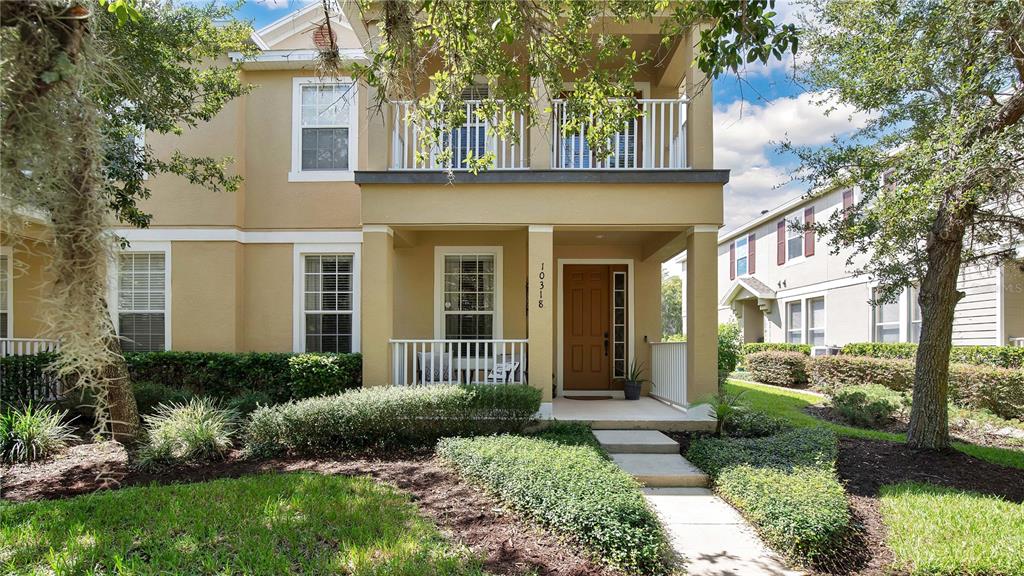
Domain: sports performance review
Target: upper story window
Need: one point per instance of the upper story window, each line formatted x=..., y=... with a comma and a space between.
x=5, y=296
x=742, y=256
x=142, y=301
x=795, y=242
x=885, y=321
x=470, y=140
x=323, y=130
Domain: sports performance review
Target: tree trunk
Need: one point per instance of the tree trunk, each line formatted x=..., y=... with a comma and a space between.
x=124, y=412
x=929, y=417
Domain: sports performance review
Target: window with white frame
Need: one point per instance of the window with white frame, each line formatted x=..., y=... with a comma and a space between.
x=795, y=322
x=885, y=320
x=469, y=296
x=742, y=256
x=816, y=321
x=142, y=301
x=5, y=296
x=794, y=237
x=470, y=139
x=328, y=301
x=324, y=133
x=915, y=315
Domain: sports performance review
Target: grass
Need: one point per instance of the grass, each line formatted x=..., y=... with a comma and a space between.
x=789, y=405
x=264, y=524
x=934, y=530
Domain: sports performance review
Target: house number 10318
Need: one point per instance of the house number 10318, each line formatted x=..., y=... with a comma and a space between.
x=540, y=293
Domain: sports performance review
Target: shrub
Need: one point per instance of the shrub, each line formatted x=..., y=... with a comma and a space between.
x=149, y=395
x=728, y=347
x=998, y=356
x=747, y=423
x=319, y=375
x=27, y=379
x=830, y=373
x=225, y=375
x=815, y=447
x=190, y=433
x=785, y=485
x=868, y=405
x=779, y=368
x=389, y=416
x=33, y=433
x=571, y=488
x=802, y=513
x=248, y=401
x=755, y=347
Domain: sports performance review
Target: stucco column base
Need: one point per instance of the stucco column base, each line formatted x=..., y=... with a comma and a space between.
x=540, y=326
x=701, y=315
x=378, y=303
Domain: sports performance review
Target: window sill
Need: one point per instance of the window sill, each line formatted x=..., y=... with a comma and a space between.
x=321, y=176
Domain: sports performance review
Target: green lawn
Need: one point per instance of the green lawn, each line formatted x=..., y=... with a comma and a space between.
x=265, y=524
x=927, y=528
x=789, y=405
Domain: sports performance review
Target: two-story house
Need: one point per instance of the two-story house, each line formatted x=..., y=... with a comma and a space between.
x=543, y=269
x=785, y=285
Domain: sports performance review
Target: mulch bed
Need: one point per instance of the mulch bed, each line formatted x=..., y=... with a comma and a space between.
x=464, y=513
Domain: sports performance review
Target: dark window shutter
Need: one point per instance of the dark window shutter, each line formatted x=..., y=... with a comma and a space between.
x=781, y=253
x=847, y=199
x=751, y=254
x=732, y=261
x=809, y=234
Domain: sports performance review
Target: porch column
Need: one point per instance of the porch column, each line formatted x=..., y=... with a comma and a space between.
x=540, y=326
x=540, y=146
x=701, y=314
x=378, y=303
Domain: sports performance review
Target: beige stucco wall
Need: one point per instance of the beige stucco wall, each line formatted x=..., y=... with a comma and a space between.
x=268, y=282
x=206, y=296
x=1013, y=302
x=29, y=286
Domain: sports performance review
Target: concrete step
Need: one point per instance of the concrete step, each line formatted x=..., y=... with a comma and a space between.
x=661, y=470
x=636, y=442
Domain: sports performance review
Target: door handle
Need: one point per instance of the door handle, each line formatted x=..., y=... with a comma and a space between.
x=605, y=343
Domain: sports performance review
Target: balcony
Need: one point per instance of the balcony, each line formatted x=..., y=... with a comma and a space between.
x=655, y=140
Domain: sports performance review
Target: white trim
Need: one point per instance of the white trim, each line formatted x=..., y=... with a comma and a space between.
x=113, y=299
x=8, y=251
x=499, y=274
x=378, y=228
x=819, y=286
x=630, y=312
x=298, y=289
x=705, y=228
x=541, y=228
x=297, y=174
x=808, y=313
x=240, y=236
x=1001, y=338
x=786, y=329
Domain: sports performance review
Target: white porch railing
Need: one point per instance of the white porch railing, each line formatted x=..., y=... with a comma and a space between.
x=26, y=346
x=416, y=362
x=656, y=140
x=474, y=139
x=668, y=371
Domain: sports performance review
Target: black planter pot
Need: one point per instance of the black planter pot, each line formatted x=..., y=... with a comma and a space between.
x=631, y=390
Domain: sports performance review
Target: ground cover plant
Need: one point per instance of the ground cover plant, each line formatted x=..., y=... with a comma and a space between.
x=263, y=524
x=33, y=433
x=938, y=530
x=194, y=432
x=868, y=405
x=565, y=481
x=388, y=416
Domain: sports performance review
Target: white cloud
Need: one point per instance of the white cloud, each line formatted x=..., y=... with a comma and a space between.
x=275, y=4
x=746, y=133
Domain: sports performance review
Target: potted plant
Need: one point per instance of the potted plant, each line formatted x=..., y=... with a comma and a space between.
x=634, y=379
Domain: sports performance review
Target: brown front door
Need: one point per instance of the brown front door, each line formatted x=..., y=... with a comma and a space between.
x=586, y=321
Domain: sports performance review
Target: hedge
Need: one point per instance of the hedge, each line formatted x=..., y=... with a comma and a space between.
x=786, y=486
x=999, y=356
x=778, y=368
x=754, y=347
x=388, y=416
x=868, y=405
x=998, y=390
x=27, y=379
x=570, y=487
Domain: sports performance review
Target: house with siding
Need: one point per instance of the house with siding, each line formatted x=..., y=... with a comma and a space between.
x=782, y=284
x=544, y=269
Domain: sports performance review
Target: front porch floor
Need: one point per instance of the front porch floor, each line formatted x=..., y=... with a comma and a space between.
x=647, y=413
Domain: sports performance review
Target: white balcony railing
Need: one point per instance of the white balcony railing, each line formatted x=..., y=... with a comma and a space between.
x=655, y=140
x=474, y=139
x=417, y=362
x=26, y=346
x=668, y=371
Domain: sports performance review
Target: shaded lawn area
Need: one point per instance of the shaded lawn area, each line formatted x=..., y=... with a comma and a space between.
x=927, y=525
x=262, y=524
x=790, y=404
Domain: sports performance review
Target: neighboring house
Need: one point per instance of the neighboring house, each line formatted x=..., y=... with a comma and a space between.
x=784, y=285
x=545, y=268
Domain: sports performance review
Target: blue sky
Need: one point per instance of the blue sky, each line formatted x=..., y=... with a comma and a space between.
x=751, y=116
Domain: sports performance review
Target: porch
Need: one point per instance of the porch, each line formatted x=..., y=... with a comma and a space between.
x=647, y=413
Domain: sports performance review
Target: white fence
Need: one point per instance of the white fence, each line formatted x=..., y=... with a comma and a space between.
x=26, y=346
x=474, y=139
x=416, y=362
x=668, y=371
x=655, y=140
